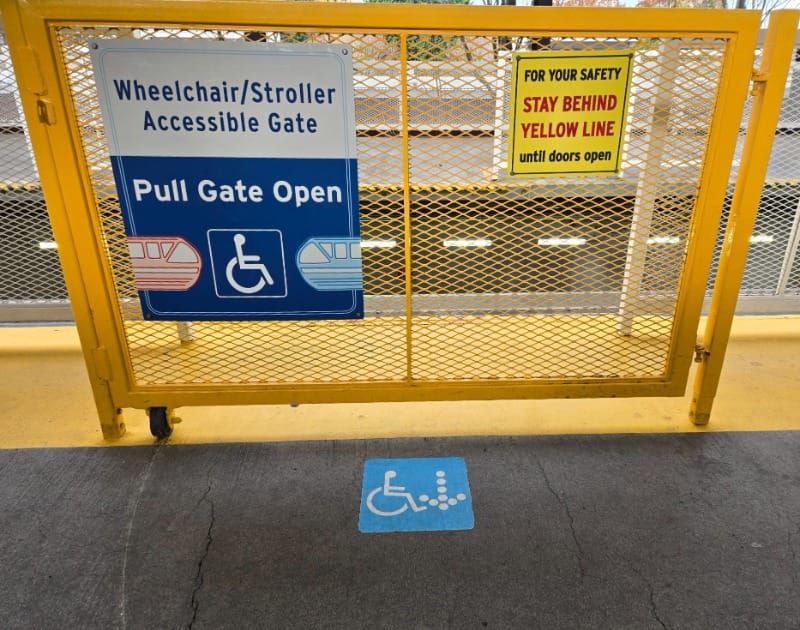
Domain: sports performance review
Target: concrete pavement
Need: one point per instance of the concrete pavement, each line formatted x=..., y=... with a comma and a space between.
x=618, y=531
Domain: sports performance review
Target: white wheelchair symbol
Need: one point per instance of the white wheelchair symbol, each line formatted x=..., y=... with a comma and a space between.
x=392, y=491
x=246, y=262
x=441, y=500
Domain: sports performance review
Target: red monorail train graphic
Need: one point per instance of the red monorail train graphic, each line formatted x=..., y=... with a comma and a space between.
x=164, y=263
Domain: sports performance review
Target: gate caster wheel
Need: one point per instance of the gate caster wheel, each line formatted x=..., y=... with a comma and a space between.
x=160, y=422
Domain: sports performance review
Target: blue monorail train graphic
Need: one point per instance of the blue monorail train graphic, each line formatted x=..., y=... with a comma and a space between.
x=332, y=263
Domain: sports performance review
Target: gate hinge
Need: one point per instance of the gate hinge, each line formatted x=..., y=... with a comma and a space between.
x=700, y=353
x=102, y=365
x=758, y=78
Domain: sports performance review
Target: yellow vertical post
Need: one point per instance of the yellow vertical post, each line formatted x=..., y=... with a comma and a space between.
x=56, y=159
x=406, y=198
x=768, y=86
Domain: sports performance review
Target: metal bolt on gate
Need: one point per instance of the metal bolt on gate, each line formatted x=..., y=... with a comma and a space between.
x=292, y=203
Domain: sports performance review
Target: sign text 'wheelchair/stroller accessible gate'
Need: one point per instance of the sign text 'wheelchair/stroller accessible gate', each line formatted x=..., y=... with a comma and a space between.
x=235, y=166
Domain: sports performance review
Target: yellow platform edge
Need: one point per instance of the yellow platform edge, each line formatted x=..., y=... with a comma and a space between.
x=46, y=402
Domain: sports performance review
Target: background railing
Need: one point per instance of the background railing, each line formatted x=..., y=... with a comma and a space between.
x=32, y=287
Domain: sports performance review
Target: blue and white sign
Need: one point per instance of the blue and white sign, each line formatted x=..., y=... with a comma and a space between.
x=235, y=165
x=415, y=495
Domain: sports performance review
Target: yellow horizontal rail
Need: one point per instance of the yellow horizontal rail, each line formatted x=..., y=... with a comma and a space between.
x=397, y=17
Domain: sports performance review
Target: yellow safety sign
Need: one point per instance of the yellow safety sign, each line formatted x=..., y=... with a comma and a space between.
x=568, y=112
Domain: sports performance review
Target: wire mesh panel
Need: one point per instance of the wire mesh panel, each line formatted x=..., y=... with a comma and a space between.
x=547, y=260
x=468, y=274
x=30, y=273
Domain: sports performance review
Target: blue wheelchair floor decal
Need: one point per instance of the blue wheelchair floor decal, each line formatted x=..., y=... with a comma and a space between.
x=415, y=495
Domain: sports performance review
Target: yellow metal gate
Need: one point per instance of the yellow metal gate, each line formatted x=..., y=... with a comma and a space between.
x=476, y=285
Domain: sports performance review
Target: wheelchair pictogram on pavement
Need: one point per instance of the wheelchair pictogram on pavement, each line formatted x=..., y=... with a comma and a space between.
x=418, y=494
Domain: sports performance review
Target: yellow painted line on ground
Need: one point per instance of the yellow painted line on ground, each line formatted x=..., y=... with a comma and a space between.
x=46, y=401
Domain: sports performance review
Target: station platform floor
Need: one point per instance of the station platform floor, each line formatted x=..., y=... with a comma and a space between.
x=587, y=513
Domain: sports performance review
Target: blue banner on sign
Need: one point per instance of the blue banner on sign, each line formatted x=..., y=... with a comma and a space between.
x=243, y=238
x=417, y=494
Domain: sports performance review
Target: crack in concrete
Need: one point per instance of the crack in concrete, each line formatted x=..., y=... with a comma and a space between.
x=793, y=552
x=653, y=607
x=133, y=508
x=199, y=577
x=651, y=595
x=570, y=519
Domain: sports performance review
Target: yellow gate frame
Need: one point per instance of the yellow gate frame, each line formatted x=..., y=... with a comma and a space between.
x=31, y=30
